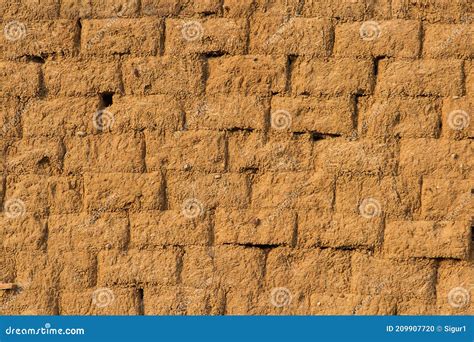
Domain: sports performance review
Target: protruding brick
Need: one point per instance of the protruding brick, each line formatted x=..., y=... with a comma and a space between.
x=449, y=41
x=19, y=79
x=290, y=36
x=215, y=35
x=332, y=77
x=394, y=38
x=427, y=239
x=246, y=75
x=252, y=226
x=420, y=77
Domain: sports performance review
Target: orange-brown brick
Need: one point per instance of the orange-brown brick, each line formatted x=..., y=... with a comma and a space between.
x=449, y=41
x=19, y=79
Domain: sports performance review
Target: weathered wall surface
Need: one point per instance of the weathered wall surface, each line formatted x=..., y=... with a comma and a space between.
x=236, y=156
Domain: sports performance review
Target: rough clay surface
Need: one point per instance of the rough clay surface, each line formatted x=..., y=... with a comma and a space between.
x=236, y=157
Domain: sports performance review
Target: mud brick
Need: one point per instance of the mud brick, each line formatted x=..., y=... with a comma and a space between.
x=349, y=304
x=81, y=78
x=454, y=287
x=420, y=77
x=7, y=263
x=30, y=302
x=469, y=73
x=169, y=227
x=427, y=239
x=75, y=9
x=337, y=230
x=174, y=300
x=121, y=36
x=407, y=118
x=293, y=190
x=253, y=151
x=104, y=153
x=329, y=269
x=25, y=232
x=238, y=8
x=186, y=150
x=446, y=199
x=332, y=77
x=35, y=156
x=290, y=36
x=373, y=196
x=346, y=10
x=38, y=38
x=439, y=11
x=34, y=271
x=19, y=79
x=27, y=10
x=458, y=118
x=59, y=117
x=207, y=191
x=329, y=116
x=417, y=307
x=444, y=160
x=161, y=8
x=198, y=267
x=253, y=226
x=65, y=194
x=215, y=35
x=246, y=75
x=449, y=41
x=364, y=156
x=394, y=38
x=115, y=8
x=27, y=193
x=88, y=232
x=10, y=117
x=107, y=192
x=219, y=111
x=77, y=270
x=407, y=279
x=279, y=7
x=162, y=75
x=157, y=267
x=100, y=301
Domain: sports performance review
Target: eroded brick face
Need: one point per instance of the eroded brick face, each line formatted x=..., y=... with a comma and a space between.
x=236, y=157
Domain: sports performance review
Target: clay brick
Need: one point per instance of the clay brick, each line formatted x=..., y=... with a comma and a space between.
x=75, y=9
x=364, y=156
x=446, y=199
x=457, y=118
x=26, y=232
x=121, y=36
x=215, y=35
x=19, y=79
x=104, y=153
x=65, y=194
x=170, y=227
x=332, y=77
x=10, y=117
x=227, y=112
x=279, y=7
x=290, y=36
x=88, y=232
x=35, y=156
x=198, y=267
x=27, y=10
x=432, y=11
x=7, y=266
x=449, y=41
x=238, y=8
x=162, y=75
x=77, y=270
x=204, y=7
x=469, y=73
x=79, y=78
x=344, y=10
x=157, y=267
x=334, y=116
x=445, y=160
x=394, y=38
x=253, y=226
x=454, y=288
x=421, y=77
x=254, y=151
x=349, y=304
x=338, y=230
x=115, y=8
x=329, y=270
x=119, y=191
x=186, y=150
x=428, y=239
x=408, y=279
x=34, y=271
x=246, y=75
x=293, y=189
x=229, y=190
x=38, y=39
x=59, y=117
x=30, y=302
x=161, y=8
x=100, y=301
x=407, y=118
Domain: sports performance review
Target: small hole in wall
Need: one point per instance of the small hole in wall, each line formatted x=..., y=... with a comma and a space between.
x=106, y=99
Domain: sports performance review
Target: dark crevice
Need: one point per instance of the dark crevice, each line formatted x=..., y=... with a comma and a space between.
x=315, y=136
x=35, y=58
x=254, y=245
x=239, y=129
x=214, y=54
x=289, y=70
x=376, y=65
x=249, y=169
x=106, y=99
x=141, y=302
